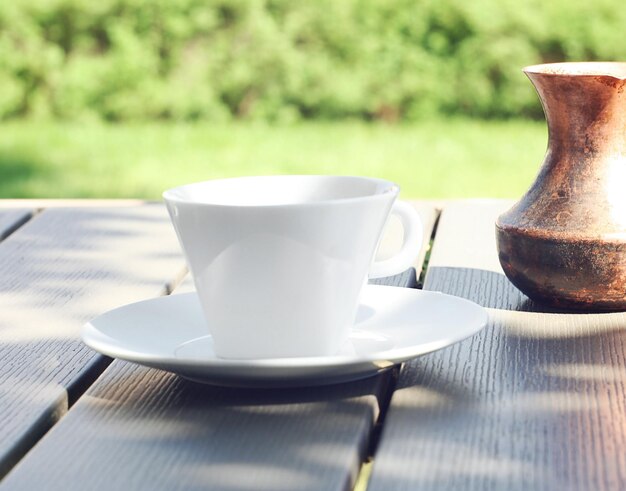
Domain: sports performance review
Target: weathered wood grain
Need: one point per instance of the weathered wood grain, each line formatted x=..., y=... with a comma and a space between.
x=535, y=401
x=56, y=272
x=143, y=429
x=12, y=219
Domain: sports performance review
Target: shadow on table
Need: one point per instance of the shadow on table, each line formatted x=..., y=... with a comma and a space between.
x=191, y=435
x=190, y=394
x=489, y=289
x=522, y=331
x=520, y=405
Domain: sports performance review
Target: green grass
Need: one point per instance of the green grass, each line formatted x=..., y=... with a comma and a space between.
x=436, y=159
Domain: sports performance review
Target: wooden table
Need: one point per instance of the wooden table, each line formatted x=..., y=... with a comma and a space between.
x=535, y=401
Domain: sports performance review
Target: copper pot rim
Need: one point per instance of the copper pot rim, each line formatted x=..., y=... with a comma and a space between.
x=610, y=69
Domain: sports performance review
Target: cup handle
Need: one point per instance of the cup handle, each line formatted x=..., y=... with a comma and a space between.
x=413, y=235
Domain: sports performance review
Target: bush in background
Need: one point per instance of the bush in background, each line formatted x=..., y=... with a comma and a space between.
x=283, y=60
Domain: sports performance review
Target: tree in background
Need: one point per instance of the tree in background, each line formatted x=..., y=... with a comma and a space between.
x=284, y=60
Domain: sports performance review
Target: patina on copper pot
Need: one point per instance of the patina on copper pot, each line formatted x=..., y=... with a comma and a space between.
x=564, y=242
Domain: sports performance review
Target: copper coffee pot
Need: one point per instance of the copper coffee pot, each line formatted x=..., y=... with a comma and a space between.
x=564, y=242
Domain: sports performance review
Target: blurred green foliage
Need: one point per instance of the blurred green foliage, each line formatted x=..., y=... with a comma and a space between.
x=284, y=60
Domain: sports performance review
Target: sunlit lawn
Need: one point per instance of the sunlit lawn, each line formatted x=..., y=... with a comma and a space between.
x=437, y=159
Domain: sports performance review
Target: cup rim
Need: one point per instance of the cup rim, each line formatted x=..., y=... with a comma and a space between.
x=171, y=196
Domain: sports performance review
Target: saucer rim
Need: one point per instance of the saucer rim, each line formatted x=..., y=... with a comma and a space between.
x=376, y=361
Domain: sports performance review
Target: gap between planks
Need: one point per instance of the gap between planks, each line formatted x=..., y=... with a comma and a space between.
x=75, y=389
x=102, y=362
x=365, y=471
x=19, y=223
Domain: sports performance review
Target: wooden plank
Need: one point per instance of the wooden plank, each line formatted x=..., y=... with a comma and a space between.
x=535, y=401
x=143, y=429
x=56, y=272
x=11, y=219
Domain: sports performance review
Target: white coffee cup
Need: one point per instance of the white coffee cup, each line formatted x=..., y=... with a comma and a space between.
x=279, y=261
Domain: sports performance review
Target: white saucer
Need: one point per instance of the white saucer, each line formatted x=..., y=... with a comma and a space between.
x=393, y=325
